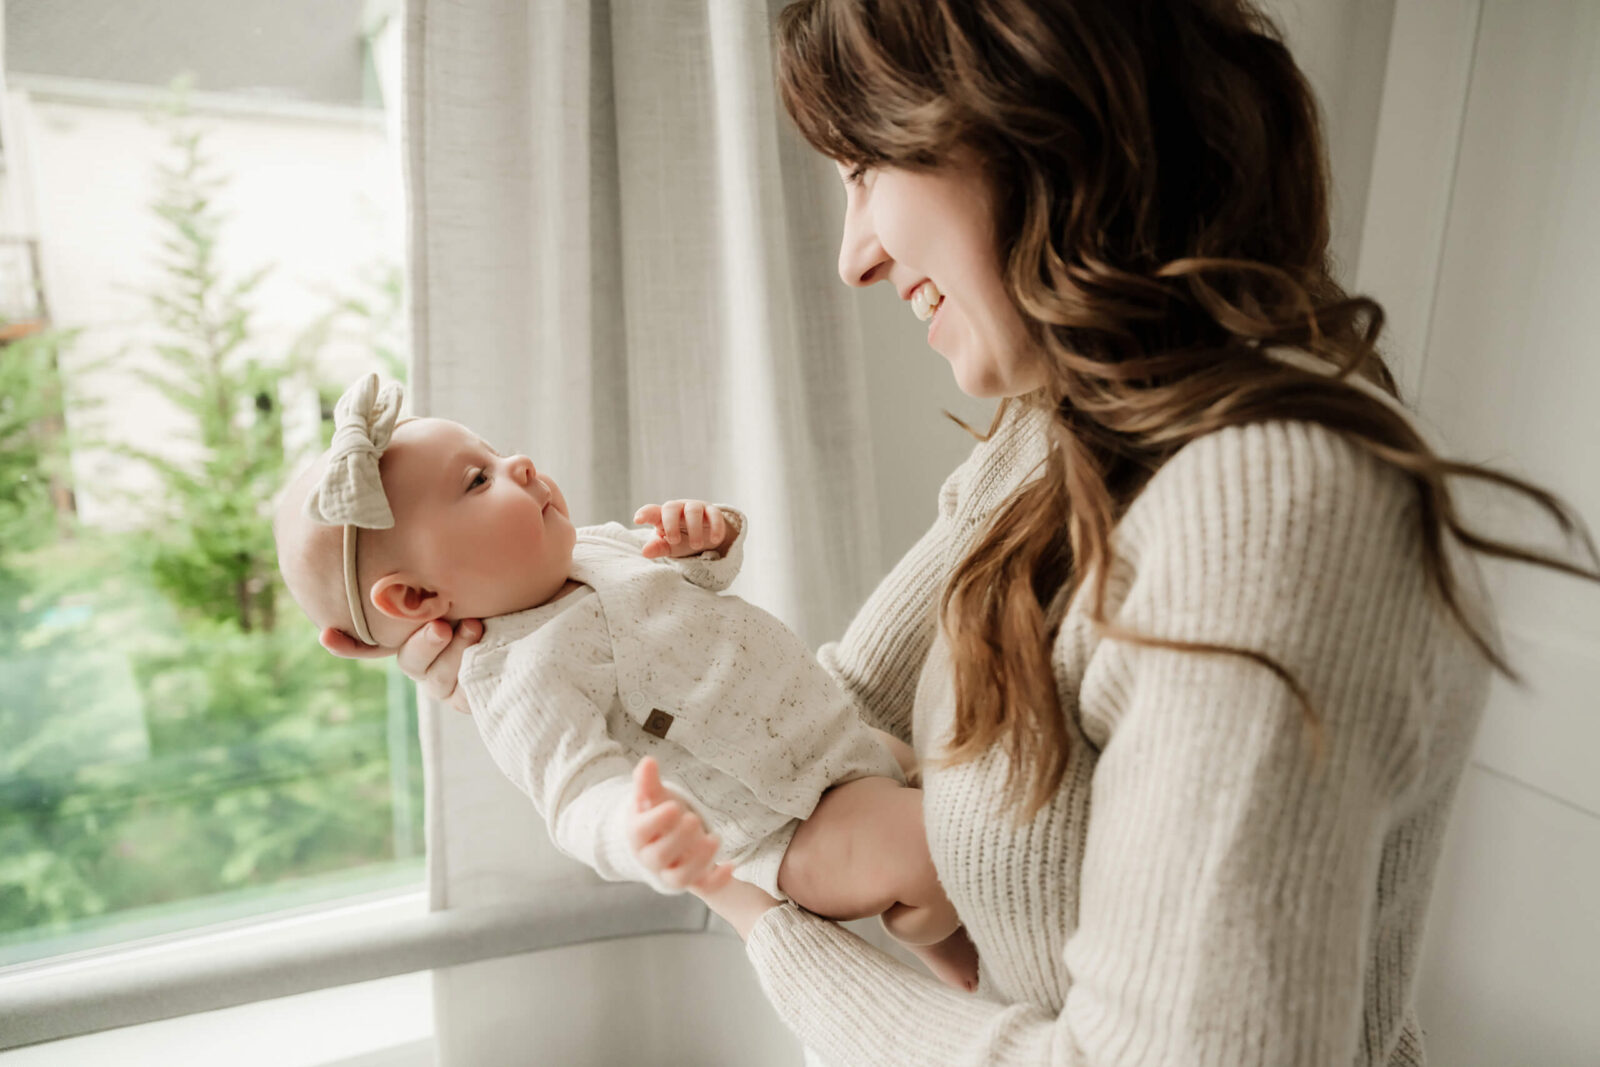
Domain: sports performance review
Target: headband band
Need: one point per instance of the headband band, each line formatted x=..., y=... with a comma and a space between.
x=350, y=492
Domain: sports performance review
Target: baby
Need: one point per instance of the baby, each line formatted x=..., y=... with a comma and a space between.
x=604, y=647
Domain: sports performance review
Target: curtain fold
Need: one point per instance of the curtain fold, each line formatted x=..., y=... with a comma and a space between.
x=621, y=265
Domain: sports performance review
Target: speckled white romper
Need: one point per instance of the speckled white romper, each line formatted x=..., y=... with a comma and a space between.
x=649, y=659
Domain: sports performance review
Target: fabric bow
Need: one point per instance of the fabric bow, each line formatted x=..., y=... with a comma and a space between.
x=351, y=492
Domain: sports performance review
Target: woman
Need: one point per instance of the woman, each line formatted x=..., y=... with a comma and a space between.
x=1192, y=655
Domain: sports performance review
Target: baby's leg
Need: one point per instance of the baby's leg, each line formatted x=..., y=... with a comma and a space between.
x=863, y=852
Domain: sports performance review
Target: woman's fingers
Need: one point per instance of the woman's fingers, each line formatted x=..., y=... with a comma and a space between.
x=422, y=648
x=432, y=657
x=343, y=645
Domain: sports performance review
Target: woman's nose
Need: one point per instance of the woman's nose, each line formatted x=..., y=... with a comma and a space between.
x=862, y=259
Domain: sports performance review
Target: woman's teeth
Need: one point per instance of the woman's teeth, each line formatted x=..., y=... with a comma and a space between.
x=925, y=300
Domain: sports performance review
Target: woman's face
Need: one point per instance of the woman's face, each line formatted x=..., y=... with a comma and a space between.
x=913, y=228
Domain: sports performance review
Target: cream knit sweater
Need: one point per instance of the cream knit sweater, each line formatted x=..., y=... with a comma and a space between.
x=1201, y=890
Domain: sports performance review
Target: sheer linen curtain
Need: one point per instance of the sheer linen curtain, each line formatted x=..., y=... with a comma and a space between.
x=623, y=265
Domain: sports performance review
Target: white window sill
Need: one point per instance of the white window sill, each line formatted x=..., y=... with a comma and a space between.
x=340, y=947
x=382, y=1023
x=385, y=1023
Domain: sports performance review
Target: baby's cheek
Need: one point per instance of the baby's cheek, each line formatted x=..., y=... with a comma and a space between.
x=505, y=549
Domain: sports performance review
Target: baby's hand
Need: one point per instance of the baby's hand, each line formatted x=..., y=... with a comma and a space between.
x=668, y=840
x=686, y=528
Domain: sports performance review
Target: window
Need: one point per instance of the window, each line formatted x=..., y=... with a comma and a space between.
x=200, y=244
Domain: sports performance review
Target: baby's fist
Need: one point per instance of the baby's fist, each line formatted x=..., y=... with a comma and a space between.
x=685, y=528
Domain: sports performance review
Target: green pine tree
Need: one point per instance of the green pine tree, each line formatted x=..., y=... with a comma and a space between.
x=212, y=554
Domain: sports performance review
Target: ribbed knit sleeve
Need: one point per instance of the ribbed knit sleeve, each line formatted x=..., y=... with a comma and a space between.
x=878, y=660
x=1230, y=869
x=880, y=656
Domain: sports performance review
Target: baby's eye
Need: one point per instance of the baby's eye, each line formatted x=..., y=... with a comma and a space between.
x=479, y=477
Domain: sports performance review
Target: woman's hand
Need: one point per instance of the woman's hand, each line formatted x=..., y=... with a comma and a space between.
x=686, y=528
x=431, y=656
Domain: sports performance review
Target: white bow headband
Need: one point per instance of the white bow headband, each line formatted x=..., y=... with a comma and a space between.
x=350, y=493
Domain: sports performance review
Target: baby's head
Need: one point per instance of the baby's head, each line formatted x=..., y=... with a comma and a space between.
x=475, y=534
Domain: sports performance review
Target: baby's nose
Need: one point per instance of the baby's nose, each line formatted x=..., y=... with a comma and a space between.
x=522, y=469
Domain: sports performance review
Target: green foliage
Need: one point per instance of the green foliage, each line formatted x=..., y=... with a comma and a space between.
x=213, y=552
x=202, y=801
x=30, y=440
x=169, y=727
x=32, y=456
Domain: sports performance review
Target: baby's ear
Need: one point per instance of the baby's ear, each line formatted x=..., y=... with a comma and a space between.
x=396, y=597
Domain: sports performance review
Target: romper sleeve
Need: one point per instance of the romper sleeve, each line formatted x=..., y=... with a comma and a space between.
x=1227, y=886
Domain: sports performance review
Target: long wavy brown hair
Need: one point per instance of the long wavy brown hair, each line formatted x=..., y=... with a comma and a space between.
x=1163, y=225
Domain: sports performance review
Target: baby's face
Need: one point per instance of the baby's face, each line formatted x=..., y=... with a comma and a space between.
x=487, y=533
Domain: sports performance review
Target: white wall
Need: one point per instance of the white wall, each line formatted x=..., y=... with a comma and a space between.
x=669, y=999
x=1342, y=46
x=1487, y=166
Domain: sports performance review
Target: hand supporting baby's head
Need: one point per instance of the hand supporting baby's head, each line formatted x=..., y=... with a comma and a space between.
x=475, y=534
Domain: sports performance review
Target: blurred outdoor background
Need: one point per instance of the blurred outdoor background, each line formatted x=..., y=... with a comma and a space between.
x=201, y=243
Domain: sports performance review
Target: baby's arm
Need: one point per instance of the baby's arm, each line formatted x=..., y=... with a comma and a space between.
x=549, y=738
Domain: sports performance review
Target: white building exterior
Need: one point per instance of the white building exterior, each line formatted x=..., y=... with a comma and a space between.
x=313, y=192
